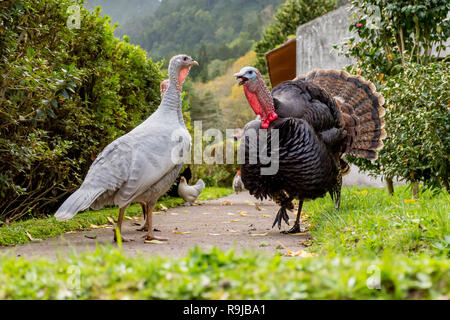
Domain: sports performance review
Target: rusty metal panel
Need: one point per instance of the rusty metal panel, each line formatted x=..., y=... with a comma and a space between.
x=281, y=62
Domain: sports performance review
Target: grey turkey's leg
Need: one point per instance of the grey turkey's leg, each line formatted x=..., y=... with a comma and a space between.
x=296, y=227
x=119, y=225
x=145, y=210
x=149, y=225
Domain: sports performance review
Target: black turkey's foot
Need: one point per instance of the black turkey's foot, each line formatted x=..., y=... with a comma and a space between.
x=294, y=229
x=281, y=215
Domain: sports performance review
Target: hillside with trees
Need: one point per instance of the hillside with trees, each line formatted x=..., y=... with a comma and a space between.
x=207, y=29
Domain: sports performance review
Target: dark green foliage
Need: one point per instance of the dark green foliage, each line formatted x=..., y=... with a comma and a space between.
x=64, y=95
x=394, y=51
x=206, y=29
x=288, y=18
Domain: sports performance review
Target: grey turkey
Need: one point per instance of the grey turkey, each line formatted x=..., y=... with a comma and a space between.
x=319, y=118
x=139, y=166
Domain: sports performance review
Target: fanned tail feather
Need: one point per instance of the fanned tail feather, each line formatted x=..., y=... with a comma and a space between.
x=361, y=109
x=78, y=201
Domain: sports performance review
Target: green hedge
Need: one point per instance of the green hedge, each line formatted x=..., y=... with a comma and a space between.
x=64, y=95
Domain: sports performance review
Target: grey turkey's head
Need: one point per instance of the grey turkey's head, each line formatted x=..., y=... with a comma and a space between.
x=179, y=67
x=257, y=94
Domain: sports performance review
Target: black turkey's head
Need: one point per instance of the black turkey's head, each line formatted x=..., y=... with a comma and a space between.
x=257, y=94
x=247, y=75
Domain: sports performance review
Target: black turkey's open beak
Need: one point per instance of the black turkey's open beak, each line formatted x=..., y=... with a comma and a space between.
x=242, y=78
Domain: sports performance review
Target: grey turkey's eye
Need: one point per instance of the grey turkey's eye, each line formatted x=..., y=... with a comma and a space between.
x=250, y=72
x=185, y=58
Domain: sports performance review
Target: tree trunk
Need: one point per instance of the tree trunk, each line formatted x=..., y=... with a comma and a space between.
x=390, y=186
x=415, y=190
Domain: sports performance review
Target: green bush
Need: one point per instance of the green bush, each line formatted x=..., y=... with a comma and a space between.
x=393, y=49
x=64, y=95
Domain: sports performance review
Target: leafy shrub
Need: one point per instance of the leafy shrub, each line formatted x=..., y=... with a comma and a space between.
x=64, y=95
x=393, y=49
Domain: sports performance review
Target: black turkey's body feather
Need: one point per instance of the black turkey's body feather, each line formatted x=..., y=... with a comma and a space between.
x=306, y=168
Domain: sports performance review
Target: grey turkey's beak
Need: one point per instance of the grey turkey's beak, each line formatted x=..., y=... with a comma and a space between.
x=194, y=63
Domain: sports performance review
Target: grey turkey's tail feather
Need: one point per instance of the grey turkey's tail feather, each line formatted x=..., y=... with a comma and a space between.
x=78, y=201
x=361, y=109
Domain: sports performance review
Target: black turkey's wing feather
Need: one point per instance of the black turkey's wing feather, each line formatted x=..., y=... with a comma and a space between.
x=307, y=101
x=306, y=168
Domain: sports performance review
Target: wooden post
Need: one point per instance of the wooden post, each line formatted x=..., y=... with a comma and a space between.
x=390, y=186
x=415, y=190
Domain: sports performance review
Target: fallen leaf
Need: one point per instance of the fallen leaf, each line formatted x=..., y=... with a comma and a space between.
x=173, y=214
x=257, y=207
x=186, y=211
x=205, y=213
x=103, y=226
x=301, y=253
x=110, y=220
x=129, y=218
x=250, y=203
x=155, y=241
x=158, y=212
x=226, y=203
x=258, y=234
x=90, y=236
x=230, y=214
x=71, y=232
x=409, y=200
x=266, y=216
x=235, y=220
x=298, y=234
x=177, y=232
x=31, y=238
x=215, y=208
x=163, y=207
x=214, y=234
x=242, y=213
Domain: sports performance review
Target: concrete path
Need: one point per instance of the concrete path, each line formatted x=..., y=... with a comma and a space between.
x=233, y=221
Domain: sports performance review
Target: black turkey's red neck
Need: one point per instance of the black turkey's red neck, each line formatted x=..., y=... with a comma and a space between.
x=260, y=99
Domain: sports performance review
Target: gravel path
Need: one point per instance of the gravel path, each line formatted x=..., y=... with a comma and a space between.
x=233, y=221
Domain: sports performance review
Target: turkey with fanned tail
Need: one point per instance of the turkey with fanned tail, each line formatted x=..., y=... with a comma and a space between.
x=317, y=118
x=139, y=166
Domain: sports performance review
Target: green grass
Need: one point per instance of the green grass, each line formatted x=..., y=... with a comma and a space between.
x=403, y=244
x=108, y=274
x=370, y=222
x=15, y=233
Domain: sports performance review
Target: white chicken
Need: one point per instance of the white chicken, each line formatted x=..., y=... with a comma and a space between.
x=238, y=185
x=190, y=193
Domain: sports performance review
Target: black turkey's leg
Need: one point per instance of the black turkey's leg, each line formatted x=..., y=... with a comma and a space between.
x=296, y=227
x=337, y=201
x=281, y=215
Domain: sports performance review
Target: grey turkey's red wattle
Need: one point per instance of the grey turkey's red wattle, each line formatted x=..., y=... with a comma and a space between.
x=260, y=99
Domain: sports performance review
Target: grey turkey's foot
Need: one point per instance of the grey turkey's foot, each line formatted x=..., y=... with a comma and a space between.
x=123, y=239
x=281, y=215
x=149, y=236
x=143, y=228
x=294, y=229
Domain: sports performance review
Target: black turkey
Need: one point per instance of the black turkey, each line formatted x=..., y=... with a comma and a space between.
x=319, y=117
